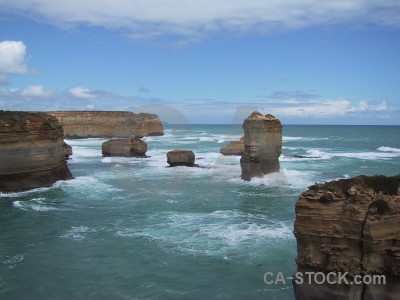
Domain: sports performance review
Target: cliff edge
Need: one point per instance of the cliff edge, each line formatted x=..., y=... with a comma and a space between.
x=32, y=151
x=353, y=226
x=86, y=124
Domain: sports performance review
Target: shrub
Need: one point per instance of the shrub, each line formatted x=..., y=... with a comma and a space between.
x=381, y=206
x=384, y=184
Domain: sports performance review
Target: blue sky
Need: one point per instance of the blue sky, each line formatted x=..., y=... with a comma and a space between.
x=307, y=62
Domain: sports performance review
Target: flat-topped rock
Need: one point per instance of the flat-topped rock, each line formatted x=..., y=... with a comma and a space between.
x=33, y=153
x=349, y=226
x=234, y=148
x=130, y=147
x=181, y=158
x=262, y=145
x=87, y=124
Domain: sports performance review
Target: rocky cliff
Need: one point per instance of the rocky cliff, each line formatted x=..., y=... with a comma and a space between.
x=350, y=225
x=85, y=124
x=262, y=145
x=32, y=151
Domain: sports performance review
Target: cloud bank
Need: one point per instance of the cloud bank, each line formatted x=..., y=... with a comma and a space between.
x=200, y=111
x=195, y=20
x=331, y=108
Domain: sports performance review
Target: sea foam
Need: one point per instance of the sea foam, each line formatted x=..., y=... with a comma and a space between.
x=388, y=149
x=36, y=204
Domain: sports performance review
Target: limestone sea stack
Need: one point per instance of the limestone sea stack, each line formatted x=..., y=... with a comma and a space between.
x=87, y=124
x=234, y=148
x=262, y=145
x=349, y=225
x=130, y=147
x=33, y=153
x=181, y=158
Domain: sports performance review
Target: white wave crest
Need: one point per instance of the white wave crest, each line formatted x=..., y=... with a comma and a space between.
x=388, y=149
x=283, y=178
x=94, y=185
x=369, y=155
x=13, y=261
x=320, y=154
x=301, y=138
x=33, y=191
x=215, y=233
x=78, y=232
x=36, y=204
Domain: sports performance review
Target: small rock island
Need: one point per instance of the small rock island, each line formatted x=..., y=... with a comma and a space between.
x=262, y=145
x=130, y=147
x=181, y=158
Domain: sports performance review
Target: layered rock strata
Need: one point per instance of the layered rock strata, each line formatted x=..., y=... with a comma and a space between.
x=353, y=226
x=86, y=124
x=262, y=145
x=234, y=148
x=32, y=151
x=181, y=158
x=130, y=147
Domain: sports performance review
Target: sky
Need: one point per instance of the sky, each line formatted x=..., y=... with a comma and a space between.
x=205, y=61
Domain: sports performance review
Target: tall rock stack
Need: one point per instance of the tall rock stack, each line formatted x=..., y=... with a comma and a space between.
x=353, y=226
x=32, y=151
x=262, y=145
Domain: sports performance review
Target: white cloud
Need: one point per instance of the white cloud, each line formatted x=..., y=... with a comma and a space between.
x=81, y=92
x=330, y=108
x=193, y=20
x=12, y=58
x=381, y=107
x=37, y=91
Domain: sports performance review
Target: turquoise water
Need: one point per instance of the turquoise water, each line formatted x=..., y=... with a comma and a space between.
x=129, y=228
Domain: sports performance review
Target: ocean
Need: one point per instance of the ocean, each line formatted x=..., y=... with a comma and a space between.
x=133, y=228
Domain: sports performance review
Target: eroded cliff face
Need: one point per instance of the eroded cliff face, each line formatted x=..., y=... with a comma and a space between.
x=262, y=145
x=350, y=225
x=86, y=124
x=32, y=151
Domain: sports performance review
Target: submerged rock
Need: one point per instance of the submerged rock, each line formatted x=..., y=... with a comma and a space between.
x=234, y=148
x=33, y=153
x=353, y=226
x=181, y=158
x=130, y=147
x=86, y=124
x=262, y=145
